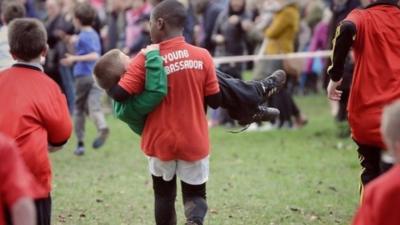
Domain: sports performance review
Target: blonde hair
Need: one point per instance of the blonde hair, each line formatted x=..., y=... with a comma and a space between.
x=390, y=126
x=109, y=69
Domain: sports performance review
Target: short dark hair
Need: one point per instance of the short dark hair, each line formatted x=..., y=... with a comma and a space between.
x=85, y=13
x=109, y=69
x=172, y=11
x=12, y=10
x=27, y=38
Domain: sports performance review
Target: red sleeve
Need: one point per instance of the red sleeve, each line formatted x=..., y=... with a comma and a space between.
x=57, y=120
x=15, y=180
x=211, y=82
x=133, y=80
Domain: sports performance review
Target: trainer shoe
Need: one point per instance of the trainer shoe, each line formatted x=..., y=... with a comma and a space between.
x=80, y=150
x=273, y=83
x=263, y=113
x=101, y=139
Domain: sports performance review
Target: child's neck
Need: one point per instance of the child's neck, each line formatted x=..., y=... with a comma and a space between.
x=86, y=28
x=37, y=62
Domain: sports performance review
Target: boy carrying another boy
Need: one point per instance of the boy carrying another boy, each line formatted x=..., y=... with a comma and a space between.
x=242, y=99
x=88, y=95
x=35, y=113
x=175, y=135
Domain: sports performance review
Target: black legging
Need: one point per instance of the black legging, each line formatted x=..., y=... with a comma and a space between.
x=194, y=200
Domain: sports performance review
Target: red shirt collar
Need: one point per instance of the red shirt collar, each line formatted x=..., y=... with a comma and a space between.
x=172, y=43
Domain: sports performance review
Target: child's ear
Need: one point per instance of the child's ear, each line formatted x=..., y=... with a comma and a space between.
x=160, y=23
x=397, y=147
x=44, y=51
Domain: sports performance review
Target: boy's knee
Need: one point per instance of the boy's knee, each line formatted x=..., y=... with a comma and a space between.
x=189, y=190
x=164, y=189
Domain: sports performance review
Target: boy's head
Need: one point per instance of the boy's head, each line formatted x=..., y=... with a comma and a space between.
x=390, y=129
x=110, y=67
x=84, y=15
x=167, y=19
x=27, y=39
x=11, y=10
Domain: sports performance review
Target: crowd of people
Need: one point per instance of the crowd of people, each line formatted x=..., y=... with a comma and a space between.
x=160, y=90
x=223, y=27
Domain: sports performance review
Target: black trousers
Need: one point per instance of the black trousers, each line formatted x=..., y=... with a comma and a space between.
x=43, y=212
x=286, y=105
x=370, y=160
x=194, y=201
x=239, y=98
x=342, y=112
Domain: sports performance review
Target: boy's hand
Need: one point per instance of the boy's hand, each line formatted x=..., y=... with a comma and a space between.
x=234, y=19
x=150, y=48
x=219, y=39
x=333, y=93
x=68, y=60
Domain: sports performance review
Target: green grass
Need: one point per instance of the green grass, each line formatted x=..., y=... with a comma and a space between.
x=305, y=176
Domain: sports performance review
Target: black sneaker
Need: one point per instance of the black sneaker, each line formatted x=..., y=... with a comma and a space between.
x=263, y=113
x=101, y=139
x=273, y=83
x=191, y=223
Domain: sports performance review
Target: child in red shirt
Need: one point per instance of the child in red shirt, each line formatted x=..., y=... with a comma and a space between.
x=15, y=186
x=381, y=199
x=35, y=113
x=373, y=34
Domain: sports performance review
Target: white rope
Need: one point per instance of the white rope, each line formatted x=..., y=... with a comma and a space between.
x=297, y=55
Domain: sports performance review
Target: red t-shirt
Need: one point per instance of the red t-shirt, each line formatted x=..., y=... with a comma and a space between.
x=376, y=80
x=34, y=113
x=15, y=180
x=381, y=200
x=177, y=128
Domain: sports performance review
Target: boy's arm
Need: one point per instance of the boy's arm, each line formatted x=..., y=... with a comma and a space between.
x=117, y=93
x=212, y=95
x=71, y=59
x=344, y=39
x=132, y=82
x=214, y=101
x=55, y=118
x=154, y=92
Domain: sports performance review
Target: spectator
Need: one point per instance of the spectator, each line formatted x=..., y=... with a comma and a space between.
x=57, y=28
x=280, y=36
x=133, y=29
x=209, y=11
x=230, y=35
x=9, y=11
x=116, y=22
x=319, y=41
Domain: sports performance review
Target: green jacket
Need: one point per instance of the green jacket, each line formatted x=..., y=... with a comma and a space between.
x=134, y=110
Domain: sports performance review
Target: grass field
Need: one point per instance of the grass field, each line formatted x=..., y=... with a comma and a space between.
x=305, y=176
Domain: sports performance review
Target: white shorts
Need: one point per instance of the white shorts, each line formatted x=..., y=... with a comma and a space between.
x=194, y=173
